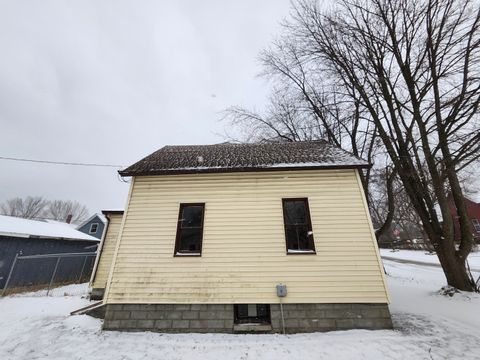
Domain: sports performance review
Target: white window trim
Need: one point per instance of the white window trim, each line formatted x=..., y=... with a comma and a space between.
x=294, y=251
x=91, y=226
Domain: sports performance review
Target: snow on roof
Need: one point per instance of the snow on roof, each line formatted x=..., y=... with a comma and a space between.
x=63, y=223
x=228, y=157
x=18, y=227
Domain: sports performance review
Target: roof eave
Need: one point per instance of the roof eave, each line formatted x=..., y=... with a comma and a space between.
x=47, y=237
x=63, y=238
x=126, y=173
x=108, y=212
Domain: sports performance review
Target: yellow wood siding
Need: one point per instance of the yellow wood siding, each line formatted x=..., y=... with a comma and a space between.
x=107, y=251
x=244, y=253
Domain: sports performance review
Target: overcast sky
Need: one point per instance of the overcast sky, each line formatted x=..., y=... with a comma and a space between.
x=112, y=81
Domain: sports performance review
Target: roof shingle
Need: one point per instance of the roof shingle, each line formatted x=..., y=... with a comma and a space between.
x=229, y=157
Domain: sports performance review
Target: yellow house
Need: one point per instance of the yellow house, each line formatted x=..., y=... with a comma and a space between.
x=271, y=237
x=105, y=252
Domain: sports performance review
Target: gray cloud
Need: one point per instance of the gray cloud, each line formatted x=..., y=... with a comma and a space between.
x=111, y=81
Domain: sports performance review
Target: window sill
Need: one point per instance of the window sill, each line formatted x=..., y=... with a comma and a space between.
x=252, y=328
x=179, y=254
x=301, y=252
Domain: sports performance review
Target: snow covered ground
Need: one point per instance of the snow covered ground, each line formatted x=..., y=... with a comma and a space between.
x=425, y=256
x=428, y=326
x=62, y=291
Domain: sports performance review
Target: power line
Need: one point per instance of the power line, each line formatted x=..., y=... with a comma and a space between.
x=59, y=162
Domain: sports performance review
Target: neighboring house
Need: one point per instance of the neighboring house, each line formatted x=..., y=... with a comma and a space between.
x=103, y=263
x=473, y=210
x=214, y=236
x=94, y=226
x=32, y=237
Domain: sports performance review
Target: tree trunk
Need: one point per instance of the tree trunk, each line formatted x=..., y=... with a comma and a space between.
x=454, y=267
x=391, y=205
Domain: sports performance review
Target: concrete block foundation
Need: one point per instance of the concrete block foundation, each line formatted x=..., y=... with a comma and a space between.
x=219, y=318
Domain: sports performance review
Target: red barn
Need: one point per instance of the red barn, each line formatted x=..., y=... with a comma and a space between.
x=473, y=210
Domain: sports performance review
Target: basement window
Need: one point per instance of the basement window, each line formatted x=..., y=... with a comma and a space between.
x=476, y=225
x=93, y=228
x=298, y=227
x=252, y=313
x=189, y=237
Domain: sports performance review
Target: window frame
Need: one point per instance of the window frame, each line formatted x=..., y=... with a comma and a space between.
x=176, y=252
x=96, y=229
x=311, y=238
x=237, y=320
x=476, y=225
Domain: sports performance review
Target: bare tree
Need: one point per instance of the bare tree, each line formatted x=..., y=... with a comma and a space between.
x=32, y=207
x=306, y=105
x=404, y=218
x=415, y=66
x=289, y=117
x=36, y=207
x=396, y=82
x=61, y=209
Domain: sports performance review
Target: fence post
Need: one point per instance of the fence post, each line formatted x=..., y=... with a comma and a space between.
x=83, y=267
x=9, y=274
x=53, y=275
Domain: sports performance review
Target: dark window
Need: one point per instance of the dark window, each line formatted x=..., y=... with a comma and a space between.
x=93, y=228
x=189, y=230
x=476, y=225
x=252, y=313
x=298, y=227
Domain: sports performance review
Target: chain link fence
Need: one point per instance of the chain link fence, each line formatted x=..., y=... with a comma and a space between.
x=50, y=274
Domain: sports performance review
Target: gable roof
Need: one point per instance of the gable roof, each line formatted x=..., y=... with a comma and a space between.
x=100, y=217
x=19, y=227
x=227, y=157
